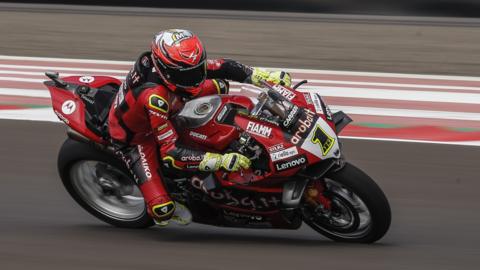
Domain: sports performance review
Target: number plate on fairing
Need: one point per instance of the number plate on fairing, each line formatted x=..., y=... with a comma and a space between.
x=322, y=141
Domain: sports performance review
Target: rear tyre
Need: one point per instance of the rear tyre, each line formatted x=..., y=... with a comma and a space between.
x=360, y=212
x=102, y=185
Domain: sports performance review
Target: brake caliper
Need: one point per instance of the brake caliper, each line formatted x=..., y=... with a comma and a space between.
x=314, y=195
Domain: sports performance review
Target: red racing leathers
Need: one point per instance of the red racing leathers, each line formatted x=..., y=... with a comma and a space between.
x=139, y=121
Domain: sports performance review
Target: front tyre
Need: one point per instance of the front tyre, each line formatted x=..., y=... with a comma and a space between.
x=102, y=185
x=357, y=211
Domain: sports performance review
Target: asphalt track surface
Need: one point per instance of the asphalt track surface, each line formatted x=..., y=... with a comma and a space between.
x=433, y=189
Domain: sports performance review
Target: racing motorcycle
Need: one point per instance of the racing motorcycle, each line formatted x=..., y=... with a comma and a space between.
x=298, y=173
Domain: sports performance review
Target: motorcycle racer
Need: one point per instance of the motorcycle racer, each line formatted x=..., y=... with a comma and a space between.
x=160, y=82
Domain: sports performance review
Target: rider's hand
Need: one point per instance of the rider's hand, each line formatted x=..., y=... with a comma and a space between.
x=276, y=77
x=280, y=77
x=231, y=162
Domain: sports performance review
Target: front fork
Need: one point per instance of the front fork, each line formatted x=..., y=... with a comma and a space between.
x=312, y=191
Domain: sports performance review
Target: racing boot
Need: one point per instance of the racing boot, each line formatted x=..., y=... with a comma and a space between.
x=181, y=216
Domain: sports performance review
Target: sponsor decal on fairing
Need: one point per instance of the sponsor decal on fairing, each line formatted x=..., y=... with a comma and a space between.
x=87, y=99
x=259, y=129
x=236, y=198
x=276, y=147
x=308, y=98
x=86, y=79
x=222, y=113
x=291, y=116
x=291, y=163
x=198, y=135
x=283, y=154
x=324, y=140
x=326, y=110
x=68, y=107
x=285, y=92
x=317, y=103
x=305, y=125
x=61, y=117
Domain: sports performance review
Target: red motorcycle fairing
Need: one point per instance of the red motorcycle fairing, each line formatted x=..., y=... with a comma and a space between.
x=246, y=206
x=68, y=105
x=214, y=135
x=275, y=140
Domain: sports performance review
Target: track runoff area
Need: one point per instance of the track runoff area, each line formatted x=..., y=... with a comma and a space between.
x=384, y=106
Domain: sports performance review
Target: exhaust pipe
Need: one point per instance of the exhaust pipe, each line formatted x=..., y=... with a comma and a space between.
x=74, y=135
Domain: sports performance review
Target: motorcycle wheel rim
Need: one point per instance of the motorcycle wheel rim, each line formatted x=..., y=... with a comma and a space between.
x=128, y=204
x=352, y=219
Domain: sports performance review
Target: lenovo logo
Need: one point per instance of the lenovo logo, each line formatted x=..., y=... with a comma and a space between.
x=291, y=163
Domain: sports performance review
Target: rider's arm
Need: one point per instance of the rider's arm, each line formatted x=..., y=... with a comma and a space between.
x=232, y=70
x=213, y=87
x=173, y=154
x=228, y=69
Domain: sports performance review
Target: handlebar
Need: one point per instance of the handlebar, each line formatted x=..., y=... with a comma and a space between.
x=273, y=100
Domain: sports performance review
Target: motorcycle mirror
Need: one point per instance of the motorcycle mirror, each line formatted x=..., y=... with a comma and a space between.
x=54, y=77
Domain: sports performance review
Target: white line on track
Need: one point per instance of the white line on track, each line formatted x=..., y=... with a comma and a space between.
x=14, y=79
x=387, y=94
x=407, y=113
x=381, y=74
x=43, y=114
x=40, y=73
x=65, y=60
x=361, y=84
x=307, y=71
x=24, y=93
x=53, y=68
x=405, y=95
x=354, y=110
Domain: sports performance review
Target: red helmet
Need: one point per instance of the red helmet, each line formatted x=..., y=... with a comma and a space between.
x=180, y=59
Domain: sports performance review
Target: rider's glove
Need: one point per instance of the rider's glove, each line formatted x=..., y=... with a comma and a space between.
x=276, y=77
x=231, y=162
x=280, y=77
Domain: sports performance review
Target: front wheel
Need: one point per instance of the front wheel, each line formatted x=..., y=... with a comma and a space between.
x=352, y=208
x=102, y=185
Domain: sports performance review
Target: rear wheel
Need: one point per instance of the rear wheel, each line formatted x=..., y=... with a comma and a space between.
x=102, y=185
x=357, y=211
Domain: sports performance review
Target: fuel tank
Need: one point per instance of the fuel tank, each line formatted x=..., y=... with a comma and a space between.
x=208, y=122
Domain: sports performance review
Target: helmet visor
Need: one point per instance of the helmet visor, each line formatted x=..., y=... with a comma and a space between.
x=185, y=77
